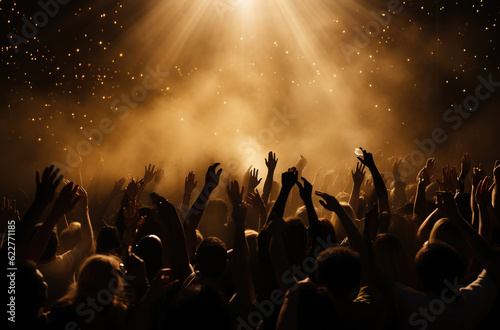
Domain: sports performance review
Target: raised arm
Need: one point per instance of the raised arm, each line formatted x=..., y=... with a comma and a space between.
x=255, y=201
x=9, y=215
x=149, y=175
x=419, y=206
x=288, y=180
x=98, y=219
x=478, y=174
x=241, y=264
x=94, y=186
x=45, y=192
x=496, y=190
x=383, y=199
x=315, y=229
x=64, y=203
x=86, y=243
x=399, y=185
x=253, y=181
x=195, y=213
x=483, y=198
x=271, y=163
x=357, y=177
x=484, y=253
x=189, y=186
x=355, y=239
x=424, y=231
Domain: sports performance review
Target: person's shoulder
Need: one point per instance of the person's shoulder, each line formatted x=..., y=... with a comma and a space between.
x=483, y=285
x=73, y=253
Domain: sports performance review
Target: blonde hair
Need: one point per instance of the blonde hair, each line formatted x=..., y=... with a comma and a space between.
x=98, y=274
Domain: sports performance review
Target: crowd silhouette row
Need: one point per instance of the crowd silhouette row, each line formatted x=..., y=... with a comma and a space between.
x=364, y=249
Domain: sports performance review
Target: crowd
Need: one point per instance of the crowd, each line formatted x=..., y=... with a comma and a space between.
x=364, y=249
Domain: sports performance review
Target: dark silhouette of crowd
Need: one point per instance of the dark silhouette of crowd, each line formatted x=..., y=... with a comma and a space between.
x=369, y=249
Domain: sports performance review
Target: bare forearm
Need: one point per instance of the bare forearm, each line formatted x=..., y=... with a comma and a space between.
x=62, y=224
x=354, y=199
x=279, y=206
x=27, y=224
x=484, y=223
x=419, y=207
x=193, y=218
x=36, y=247
x=268, y=185
x=242, y=278
x=87, y=241
x=378, y=182
x=426, y=227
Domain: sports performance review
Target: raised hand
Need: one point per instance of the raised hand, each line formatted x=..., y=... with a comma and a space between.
x=234, y=193
x=117, y=188
x=131, y=215
x=496, y=170
x=68, y=198
x=328, y=179
x=82, y=193
x=254, y=200
x=396, y=170
x=46, y=186
x=236, y=197
x=212, y=177
x=305, y=190
x=133, y=189
x=330, y=203
x=446, y=204
x=478, y=174
x=430, y=167
x=301, y=164
x=271, y=161
x=449, y=179
x=359, y=174
x=8, y=210
x=423, y=177
x=483, y=192
x=367, y=159
x=253, y=181
x=149, y=173
x=465, y=166
x=190, y=183
x=289, y=178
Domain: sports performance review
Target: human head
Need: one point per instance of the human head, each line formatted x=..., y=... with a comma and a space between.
x=296, y=240
x=99, y=273
x=339, y=269
x=149, y=249
x=31, y=291
x=436, y=263
x=393, y=260
x=108, y=240
x=69, y=237
x=211, y=257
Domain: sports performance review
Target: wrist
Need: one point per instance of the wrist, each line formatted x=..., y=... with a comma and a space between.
x=307, y=201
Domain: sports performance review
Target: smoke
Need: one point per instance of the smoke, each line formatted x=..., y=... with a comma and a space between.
x=244, y=78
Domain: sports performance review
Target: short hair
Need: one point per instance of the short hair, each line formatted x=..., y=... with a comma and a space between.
x=339, y=269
